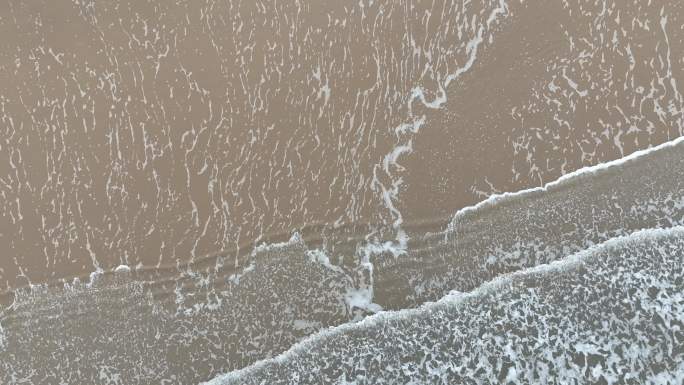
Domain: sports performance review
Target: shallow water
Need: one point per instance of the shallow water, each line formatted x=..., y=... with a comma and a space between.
x=187, y=189
x=610, y=314
x=187, y=328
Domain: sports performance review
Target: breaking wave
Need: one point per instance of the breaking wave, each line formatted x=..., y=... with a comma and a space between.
x=611, y=314
x=119, y=328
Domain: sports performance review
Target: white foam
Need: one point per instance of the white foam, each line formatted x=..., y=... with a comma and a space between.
x=3, y=337
x=94, y=276
x=302, y=324
x=452, y=299
x=361, y=298
x=496, y=199
x=356, y=297
x=235, y=278
x=320, y=256
x=122, y=269
x=295, y=239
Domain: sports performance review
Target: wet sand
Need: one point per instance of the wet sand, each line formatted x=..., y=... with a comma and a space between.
x=152, y=134
x=298, y=165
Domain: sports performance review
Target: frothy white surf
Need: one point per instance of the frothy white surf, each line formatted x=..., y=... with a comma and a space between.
x=588, y=171
x=639, y=266
x=122, y=269
x=3, y=337
x=289, y=291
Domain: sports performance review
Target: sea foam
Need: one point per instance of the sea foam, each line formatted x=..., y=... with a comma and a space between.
x=609, y=313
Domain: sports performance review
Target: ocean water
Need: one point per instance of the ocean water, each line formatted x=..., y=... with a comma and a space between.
x=118, y=328
x=380, y=191
x=610, y=314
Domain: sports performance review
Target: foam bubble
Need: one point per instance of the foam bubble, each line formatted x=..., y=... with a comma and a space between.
x=122, y=269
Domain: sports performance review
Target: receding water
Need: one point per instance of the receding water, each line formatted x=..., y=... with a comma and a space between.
x=414, y=192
